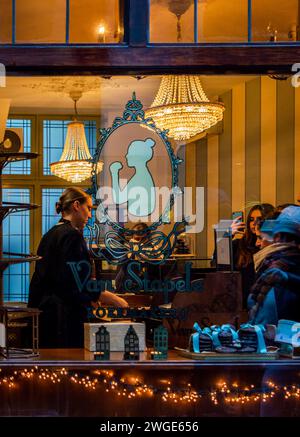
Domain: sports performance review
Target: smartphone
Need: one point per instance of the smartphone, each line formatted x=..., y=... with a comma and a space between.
x=237, y=214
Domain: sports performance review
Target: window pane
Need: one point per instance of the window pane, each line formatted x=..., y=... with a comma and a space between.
x=172, y=21
x=49, y=216
x=5, y=21
x=96, y=21
x=22, y=167
x=40, y=21
x=16, y=239
x=274, y=20
x=222, y=21
x=54, y=134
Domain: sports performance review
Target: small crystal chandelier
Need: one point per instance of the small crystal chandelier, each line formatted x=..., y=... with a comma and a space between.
x=182, y=107
x=75, y=162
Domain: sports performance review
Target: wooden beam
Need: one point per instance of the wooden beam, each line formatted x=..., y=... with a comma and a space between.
x=149, y=60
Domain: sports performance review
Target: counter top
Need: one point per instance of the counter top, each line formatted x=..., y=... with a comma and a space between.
x=80, y=358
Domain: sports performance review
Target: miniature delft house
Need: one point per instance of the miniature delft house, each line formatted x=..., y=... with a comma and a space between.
x=102, y=344
x=160, y=343
x=131, y=345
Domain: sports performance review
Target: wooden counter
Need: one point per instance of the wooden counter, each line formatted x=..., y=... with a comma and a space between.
x=80, y=358
x=40, y=396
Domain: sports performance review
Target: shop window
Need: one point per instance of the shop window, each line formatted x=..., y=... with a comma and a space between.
x=172, y=21
x=16, y=239
x=40, y=21
x=49, y=217
x=96, y=21
x=217, y=21
x=24, y=129
x=54, y=134
x=5, y=21
x=222, y=21
x=275, y=20
x=61, y=21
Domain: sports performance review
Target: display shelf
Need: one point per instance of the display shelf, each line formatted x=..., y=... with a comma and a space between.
x=8, y=158
x=81, y=358
x=16, y=316
x=7, y=208
x=15, y=258
x=58, y=382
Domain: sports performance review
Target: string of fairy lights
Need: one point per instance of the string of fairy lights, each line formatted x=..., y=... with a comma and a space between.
x=133, y=387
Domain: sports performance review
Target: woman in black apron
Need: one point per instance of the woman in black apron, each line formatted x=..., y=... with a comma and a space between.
x=54, y=289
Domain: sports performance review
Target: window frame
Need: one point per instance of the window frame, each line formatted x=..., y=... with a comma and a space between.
x=136, y=29
x=37, y=181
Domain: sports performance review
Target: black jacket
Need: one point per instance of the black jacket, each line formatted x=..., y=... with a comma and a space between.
x=54, y=290
x=247, y=272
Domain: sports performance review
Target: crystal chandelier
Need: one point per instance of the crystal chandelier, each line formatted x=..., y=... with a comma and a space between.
x=182, y=107
x=75, y=162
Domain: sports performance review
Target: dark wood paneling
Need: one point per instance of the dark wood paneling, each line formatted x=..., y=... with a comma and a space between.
x=148, y=60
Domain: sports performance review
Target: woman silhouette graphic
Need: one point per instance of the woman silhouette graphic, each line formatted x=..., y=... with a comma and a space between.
x=139, y=191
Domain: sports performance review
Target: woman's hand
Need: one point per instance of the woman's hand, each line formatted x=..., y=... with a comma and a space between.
x=113, y=300
x=237, y=227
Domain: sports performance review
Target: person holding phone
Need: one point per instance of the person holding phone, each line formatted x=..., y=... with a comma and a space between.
x=244, y=244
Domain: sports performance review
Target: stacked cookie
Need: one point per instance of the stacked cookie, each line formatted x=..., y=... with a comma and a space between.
x=205, y=343
x=225, y=338
x=248, y=339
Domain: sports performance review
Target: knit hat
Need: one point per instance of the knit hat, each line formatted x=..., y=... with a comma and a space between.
x=267, y=227
x=288, y=221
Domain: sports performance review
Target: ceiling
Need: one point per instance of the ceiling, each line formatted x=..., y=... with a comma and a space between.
x=50, y=95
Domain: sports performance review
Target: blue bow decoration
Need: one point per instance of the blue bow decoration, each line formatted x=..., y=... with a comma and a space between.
x=215, y=335
x=196, y=336
x=216, y=330
x=259, y=329
x=155, y=249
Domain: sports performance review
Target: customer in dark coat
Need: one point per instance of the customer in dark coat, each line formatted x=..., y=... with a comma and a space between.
x=53, y=288
x=276, y=292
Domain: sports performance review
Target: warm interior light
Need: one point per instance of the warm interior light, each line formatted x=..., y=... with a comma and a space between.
x=182, y=107
x=101, y=33
x=75, y=162
x=101, y=30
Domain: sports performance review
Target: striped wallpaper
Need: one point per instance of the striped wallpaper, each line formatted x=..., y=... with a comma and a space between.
x=255, y=159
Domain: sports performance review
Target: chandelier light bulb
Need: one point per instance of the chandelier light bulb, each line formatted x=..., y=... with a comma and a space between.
x=75, y=163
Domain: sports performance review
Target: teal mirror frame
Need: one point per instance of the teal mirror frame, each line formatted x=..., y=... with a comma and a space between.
x=134, y=113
